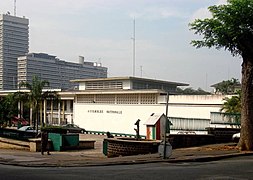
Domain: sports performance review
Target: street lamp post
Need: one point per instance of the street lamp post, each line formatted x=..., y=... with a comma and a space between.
x=165, y=126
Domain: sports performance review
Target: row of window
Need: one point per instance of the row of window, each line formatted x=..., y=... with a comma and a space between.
x=104, y=85
x=118, y=99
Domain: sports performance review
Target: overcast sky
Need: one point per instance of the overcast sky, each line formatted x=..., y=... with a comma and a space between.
x=102, y=31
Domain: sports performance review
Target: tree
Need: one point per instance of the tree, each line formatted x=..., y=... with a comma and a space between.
x=36, y=96
x=232, y=105
x=8, y=108
x=227, y=87
x=232, y=108
x=231, y=28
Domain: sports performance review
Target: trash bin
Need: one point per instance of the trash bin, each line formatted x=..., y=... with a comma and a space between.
x=63, y=141
x=105, y=145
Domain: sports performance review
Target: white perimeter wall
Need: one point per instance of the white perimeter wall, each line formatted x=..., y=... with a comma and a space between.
x=121, y=118
x=194, y=106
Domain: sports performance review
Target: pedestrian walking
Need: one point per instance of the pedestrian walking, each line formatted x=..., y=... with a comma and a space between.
x=44, y=143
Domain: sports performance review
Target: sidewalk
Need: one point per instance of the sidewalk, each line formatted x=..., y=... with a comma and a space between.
x=95, y=157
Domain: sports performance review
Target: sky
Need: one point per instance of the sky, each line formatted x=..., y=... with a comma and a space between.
x=103, y=30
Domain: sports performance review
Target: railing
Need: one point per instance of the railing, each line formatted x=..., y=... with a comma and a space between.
x=16, y=134
x=114, y=134
x=189, y=124
x=226, y=118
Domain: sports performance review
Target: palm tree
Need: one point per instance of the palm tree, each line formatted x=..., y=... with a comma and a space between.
x=36, y=97
x=233, y=104
x=232, y=107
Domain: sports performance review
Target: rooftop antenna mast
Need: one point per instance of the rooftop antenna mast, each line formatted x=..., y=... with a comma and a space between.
x=133, y=38
x=15, y=7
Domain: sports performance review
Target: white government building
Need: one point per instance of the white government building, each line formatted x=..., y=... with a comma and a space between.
x=115, y=104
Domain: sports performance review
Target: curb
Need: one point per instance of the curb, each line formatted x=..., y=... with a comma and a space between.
x=130, y=162
x=210, y=158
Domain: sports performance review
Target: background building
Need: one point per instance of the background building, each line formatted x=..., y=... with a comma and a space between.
x=115, y=104
x=14, y=42
x=57, y=72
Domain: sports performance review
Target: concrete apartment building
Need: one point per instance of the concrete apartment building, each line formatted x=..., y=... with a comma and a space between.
x=57, y=72
x=14, y=42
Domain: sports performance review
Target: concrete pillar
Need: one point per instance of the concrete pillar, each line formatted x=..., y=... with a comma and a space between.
x=59, y=113
x=19, y=109
x=45, y=111
x=52, y=107
x=31, y=116
x=63, y=111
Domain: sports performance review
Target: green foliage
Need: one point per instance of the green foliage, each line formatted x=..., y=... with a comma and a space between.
x=8, y=108
x=36, y=96
x=36, y=87
x=232, y=104
x=191, y=91
x=230, y=27
x=227, y=87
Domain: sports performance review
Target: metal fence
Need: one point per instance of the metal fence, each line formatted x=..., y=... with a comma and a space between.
x=225, y=118
x=189, y=124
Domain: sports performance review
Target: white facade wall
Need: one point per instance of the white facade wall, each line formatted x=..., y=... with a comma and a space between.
x=194, y=106
x=121, y=118
x=127, y=84
x=82, y=86
x=114, y=118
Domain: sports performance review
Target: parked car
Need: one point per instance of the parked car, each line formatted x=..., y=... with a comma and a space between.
x=27, y=129
x=236, y=137
x=72, y=128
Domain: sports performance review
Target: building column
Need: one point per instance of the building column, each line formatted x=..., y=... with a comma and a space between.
x=19, y=109
x=22, y=109
x=63, y=112
x=52, y=107
x=31, y=116
x=45, y=112
x=59, y=113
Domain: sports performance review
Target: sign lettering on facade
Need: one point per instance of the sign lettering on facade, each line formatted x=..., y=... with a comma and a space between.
x=106, y=111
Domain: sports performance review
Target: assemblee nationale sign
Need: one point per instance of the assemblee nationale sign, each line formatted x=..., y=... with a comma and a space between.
x=104, y=111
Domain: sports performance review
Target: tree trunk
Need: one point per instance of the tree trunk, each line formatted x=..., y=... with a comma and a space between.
x=246, y=136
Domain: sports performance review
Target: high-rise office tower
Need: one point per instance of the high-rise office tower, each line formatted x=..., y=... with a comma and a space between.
x=14, y=42
x=57, y=72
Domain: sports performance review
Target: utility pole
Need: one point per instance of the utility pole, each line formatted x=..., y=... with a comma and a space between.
x=165, y=128
x=133, y=38
x=15, y=7
x=141, y=71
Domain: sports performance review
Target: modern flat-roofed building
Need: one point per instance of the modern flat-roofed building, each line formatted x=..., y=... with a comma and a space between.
x=57, y=72
x=114, y=104
x=14, y=42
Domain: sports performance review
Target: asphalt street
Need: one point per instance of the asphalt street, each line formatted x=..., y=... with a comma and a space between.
x=232, y=168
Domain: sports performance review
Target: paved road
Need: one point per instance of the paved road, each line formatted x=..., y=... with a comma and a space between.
x=234, y=168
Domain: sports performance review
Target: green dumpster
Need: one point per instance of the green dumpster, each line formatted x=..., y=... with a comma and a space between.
x=105, y=146
x=56, y=140
x=63, y=141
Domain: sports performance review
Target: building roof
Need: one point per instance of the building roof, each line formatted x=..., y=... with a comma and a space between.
x=114, y=91
x=153, y=118
x=131, y=79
